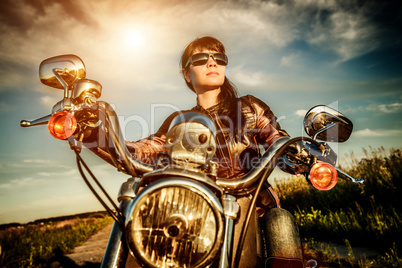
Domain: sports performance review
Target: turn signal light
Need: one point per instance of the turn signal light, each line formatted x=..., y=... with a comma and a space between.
x=323, y=176
x=62, y=125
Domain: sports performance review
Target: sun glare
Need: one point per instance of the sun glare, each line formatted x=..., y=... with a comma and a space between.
x=134, y=39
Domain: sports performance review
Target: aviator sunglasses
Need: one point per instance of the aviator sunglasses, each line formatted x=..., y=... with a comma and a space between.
x=202, y=58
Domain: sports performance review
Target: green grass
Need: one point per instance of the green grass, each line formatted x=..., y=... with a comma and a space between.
x=360, y=216
x=35, y=244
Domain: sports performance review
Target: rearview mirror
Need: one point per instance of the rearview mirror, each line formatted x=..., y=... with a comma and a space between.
x=326, y=124
x=61, y=71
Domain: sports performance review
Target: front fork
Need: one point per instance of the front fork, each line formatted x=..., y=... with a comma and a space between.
x=230, y=209
x=116, y=252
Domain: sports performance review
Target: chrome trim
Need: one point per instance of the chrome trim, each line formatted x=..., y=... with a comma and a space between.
x=63, y=105
x=194, y=117
x=192, y=186
x=86, y=91
x=128, y=189
x=59, y=106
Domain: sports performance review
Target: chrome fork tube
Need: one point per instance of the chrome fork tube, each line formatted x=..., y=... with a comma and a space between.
x=230, y=209
x=116, y=251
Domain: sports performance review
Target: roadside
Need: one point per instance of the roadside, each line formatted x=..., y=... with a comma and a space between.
x=89, y=254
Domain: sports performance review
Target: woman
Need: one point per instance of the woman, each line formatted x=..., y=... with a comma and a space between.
x=243, y=125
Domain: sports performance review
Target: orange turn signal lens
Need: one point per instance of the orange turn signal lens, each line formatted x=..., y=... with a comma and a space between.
x=62, y=125
x=323, y=176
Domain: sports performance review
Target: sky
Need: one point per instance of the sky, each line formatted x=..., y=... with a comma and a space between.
x=292, y=54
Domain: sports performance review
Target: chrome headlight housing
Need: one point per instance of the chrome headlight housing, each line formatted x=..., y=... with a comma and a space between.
x=175, y=223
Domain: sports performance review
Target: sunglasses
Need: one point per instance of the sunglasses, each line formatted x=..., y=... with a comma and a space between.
x=202, y=58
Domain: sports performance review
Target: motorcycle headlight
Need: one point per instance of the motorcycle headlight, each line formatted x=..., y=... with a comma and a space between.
x=175, y=223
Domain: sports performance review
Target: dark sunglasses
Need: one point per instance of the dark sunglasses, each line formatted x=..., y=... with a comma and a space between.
x=202, y=58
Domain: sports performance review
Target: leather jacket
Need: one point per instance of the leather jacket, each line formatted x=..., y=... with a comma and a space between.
x=235, y=157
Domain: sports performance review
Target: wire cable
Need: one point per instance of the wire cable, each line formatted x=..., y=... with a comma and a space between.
x=119, y=219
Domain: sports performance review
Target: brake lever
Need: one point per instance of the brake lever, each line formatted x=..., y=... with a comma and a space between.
x=40, y=121
x=343, y=175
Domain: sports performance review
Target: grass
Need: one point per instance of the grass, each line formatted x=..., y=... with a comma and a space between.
x=35, y=244
x=363, y=216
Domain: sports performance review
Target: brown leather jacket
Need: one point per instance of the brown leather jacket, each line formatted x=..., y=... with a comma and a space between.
x=235, y=157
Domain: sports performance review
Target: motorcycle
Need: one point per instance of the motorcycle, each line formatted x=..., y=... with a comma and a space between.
x=177, y=212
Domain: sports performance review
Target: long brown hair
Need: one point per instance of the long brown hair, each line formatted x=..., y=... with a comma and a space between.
x=228, y=97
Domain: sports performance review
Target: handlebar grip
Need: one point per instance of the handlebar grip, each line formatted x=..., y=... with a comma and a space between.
x=25, y=123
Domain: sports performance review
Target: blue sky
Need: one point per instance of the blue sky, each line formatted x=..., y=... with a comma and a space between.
x=291, y=54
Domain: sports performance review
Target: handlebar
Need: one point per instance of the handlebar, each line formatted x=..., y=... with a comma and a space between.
x=245, y=184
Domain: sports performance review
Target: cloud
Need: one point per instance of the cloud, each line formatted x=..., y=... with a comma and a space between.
x=249, y=78
x=390, y=108
x=377, y=133
x=6, y=186
x=58, y=174
x=48, y=101
x=23, y=182
x=30, y=164
x=386, y=108
x=43, y=162
x=348, y=34
x=301, y=113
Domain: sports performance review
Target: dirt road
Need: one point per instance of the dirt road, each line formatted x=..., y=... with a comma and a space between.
x=93, y=249
x=89, y=254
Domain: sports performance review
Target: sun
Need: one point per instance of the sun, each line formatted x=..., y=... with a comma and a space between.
x=134, y=39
